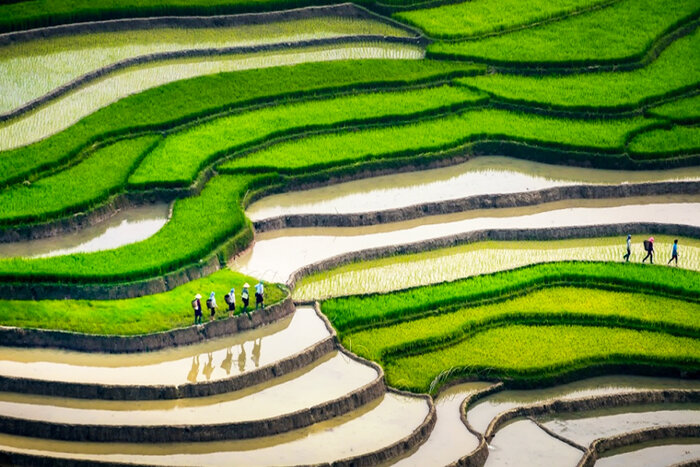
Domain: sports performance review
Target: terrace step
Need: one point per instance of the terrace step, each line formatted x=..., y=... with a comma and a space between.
x=333, y=386
x=372, y=434
x=189, y=371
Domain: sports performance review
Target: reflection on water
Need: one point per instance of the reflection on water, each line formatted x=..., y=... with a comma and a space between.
x=479, y=176
x=194, y=363
x=126, y=226
x=652, y=454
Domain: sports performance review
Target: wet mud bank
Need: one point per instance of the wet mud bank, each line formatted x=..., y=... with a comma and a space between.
x=555, y=233
x=491, y=201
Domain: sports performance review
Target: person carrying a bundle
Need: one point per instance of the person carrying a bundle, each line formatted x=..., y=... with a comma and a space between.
x=197, y=307
x=674, y=252
x=649, y=248
x=230, y=299
x=211, y=304
x=629, y=249
x=245, y=297
x=259, y=295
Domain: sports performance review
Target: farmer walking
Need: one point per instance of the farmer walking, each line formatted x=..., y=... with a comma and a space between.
x=629, y=249
x=211, y=304
x=197, y=306
x=259, y=295
x=230, y=299
x=649, y=247
x=674, y=252
x=245, y=298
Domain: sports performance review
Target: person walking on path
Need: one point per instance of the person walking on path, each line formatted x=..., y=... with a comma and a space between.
x=211, y=304
x=259, y=295
x=674, y=252
x=197, y=306
x=230, y=299
x=629, y=249
x=245, y=298
x=649, y=247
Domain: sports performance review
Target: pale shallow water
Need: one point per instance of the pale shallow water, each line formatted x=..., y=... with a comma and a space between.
x=309, y=245
x=666, y=452
x=479, y=176
x=372, y=427
x=524, y=444
x=65, y=111
x=333, y=377
x=450, y=439
x=482, y=412
x=213, y=360
x=126, y=226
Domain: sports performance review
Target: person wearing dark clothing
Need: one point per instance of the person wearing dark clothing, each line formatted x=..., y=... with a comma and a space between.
x=197, y=306
x=259, y=295
x=629, y=249
x=230, y=299
x=674, y=252
x=211, y=304
x=649, y=246
x=245, y=298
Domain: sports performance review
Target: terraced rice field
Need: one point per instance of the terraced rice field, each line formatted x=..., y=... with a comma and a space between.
x=435, y=197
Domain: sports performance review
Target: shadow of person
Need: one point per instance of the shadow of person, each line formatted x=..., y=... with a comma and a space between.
x=209, y=367
x=241, y=359
x=228, y=361
x=194, y=371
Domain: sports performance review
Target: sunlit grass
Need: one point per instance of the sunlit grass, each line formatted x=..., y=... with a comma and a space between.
x=448, y=264
x=667, y=141
x=680, y=109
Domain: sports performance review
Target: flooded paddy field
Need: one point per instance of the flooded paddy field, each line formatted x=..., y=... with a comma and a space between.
x=650, y=454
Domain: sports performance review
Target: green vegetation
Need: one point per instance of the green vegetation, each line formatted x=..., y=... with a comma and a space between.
x=472, y=259
x=80, y=187
x=477, y=17
x=676, y=140
x=622, y=32
x=358, y=311
x=182, y=101
x=132, y=316
x=198, y=226
x=436, y=135
x=687, y=109
x=537, y=353
x=178, y=159
x=32, y=69
x=601, y=91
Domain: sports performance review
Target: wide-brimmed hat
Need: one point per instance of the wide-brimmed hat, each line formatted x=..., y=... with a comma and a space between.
x=198, y=296
x=246, y=285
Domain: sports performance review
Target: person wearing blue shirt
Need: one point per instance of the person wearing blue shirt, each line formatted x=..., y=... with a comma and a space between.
x=259, y=291
x=674, y=252
x=211, y=304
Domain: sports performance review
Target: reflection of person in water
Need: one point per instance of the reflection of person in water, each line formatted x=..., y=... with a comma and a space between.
x=194, y=371
x=256, y=352
x=241, y=359
x=209, y=367
x=228, y=361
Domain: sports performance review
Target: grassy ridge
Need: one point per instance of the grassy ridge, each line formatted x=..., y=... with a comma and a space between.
x=682, y=110
x=438, y=134
x=622, y=32
x=180, y=157
x=482, y=16
x=198, y=225
x=539, y=352
x=675, y=140
x=142, y=315
x=607, y=90
x=79, y=187
x=353, y=312
x=186, y=100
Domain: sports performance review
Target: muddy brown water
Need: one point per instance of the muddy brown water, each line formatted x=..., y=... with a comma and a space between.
x=652, y=454
x=213, y=360
x=126, y=226
x=479, y=176
x=332, y=377
x=305, y=246
x=374, y=426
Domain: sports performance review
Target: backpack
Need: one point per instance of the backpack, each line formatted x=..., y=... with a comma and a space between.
x=194, y=304
x=647, y=245
x=227, y=299
x=209, y=303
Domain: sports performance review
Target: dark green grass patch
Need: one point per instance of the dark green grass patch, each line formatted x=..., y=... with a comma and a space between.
x=681, y=110
x=622, y=32
x=438, y=134
x=182, y=101
x=353, y=312
x=198, y=225
x=180, y=157
x=677, y=68
x=143, y=315
x=666, y=141
x=477, y=17
x=80, y=187
x=540, y=352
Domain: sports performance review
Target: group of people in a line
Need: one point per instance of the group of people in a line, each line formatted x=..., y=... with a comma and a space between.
x=649, y=248
x=230, y=299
